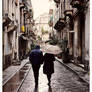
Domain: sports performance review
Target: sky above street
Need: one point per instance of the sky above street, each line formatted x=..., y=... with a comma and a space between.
x=40, y=7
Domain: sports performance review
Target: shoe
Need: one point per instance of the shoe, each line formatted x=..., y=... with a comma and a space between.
x=36, y=85
x=48, y=83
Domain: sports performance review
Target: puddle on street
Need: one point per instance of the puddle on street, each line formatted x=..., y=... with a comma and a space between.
x=14, y=82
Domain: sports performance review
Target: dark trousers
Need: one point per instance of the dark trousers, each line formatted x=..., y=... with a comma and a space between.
x=36, y=72
x=49, y=77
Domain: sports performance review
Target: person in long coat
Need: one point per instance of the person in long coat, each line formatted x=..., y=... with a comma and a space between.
x=48, y=67
x=36, y=59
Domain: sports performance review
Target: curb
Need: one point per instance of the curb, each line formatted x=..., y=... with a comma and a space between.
x=9, y=77
x=23, y=80
x=72, y=71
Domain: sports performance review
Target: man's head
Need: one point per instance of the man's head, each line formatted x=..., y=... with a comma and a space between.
x=37, y=47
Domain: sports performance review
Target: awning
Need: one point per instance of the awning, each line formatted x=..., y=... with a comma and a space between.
x=59, y=25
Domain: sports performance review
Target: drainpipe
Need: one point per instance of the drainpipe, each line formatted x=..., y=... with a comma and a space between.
x=18, y=31
x=60, y=9
x=67, y=30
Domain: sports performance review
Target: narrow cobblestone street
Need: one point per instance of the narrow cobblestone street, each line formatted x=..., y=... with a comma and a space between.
x=62, y=81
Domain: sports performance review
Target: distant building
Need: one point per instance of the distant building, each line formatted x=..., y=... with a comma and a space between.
x=41, y=24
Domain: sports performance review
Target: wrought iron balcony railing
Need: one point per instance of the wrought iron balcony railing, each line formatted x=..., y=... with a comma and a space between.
x=60, y=24
x=57, y=1
x=77, y=3
x=6, y=19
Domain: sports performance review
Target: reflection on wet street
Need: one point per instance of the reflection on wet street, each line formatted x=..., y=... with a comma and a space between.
x=13, y=84
x=62, y=81
x=37, y=90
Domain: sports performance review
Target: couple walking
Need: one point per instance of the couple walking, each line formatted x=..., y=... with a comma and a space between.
x=36, y=58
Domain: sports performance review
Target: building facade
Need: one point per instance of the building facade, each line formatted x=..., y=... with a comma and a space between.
x=15, y=28
x=73, y=24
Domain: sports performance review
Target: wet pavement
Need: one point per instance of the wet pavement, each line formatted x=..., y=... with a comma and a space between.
x=83, y=74
x=12, y=70
x=13, y=84
x=62, y=80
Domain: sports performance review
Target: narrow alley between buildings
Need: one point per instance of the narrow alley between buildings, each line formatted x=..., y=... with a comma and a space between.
x=58, y=27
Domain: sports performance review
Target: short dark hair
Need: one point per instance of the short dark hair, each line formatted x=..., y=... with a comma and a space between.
x=37, y=47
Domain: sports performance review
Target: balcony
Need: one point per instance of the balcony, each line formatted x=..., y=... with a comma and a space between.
x=50, y=23
x=29, y=14
x=32, y=35
x=11, y=28
x=69, y=21
x=68, y=12
x=23, y=36
x=22, y=5
x=57, y=1
x=6, y=19
x=25, y=9
x=77, y=3
x=60, y=24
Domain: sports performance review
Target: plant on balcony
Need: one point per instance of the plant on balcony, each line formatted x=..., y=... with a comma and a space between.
x=39, y=38
x=50, y=23
x=33, y=45
x=44, y=31
x=53, y=41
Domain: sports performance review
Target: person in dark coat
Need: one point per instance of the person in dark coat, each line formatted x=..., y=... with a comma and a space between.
x=48, y=67
x=36, y=59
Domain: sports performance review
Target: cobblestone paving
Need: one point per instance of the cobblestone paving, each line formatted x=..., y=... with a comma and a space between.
x=62, y=81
